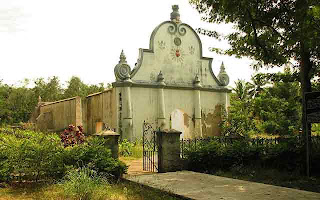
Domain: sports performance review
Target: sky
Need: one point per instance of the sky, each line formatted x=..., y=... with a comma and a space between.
x=84, y=38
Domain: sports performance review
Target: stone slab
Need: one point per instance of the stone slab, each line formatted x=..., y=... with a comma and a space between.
x=204, y=187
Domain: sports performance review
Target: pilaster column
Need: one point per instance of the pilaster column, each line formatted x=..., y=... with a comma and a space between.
x=197, y=107
x=127, y=111
x=122, y=73
x=161, y=108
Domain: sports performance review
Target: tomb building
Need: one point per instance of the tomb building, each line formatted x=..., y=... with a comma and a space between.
x=172, y=86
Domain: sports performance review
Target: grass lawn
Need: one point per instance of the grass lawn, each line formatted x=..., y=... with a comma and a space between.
x=117, y=191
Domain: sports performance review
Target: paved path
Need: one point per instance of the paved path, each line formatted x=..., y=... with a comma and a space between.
x=135, y=167
x=204, y=187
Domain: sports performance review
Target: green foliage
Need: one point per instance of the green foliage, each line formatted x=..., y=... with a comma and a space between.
x=239, y=119
x=75, y=87
x=273, y=33
x=82, y=183
x=18, y=102
x=214, y=156
x=268, y=31
x=125, y=148
x=50, y=90
x=278, y=109
x=315, y=128
x=28, y=155
x=130, y=149
x=95, y=155
x=271, y=106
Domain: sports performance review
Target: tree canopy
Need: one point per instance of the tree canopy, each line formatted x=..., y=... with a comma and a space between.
x=264, y=107
x=272, y=32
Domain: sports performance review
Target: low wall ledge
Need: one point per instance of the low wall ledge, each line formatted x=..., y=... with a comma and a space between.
x=69, y=99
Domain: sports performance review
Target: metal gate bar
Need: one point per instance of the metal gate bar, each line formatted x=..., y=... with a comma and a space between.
x=150, y=148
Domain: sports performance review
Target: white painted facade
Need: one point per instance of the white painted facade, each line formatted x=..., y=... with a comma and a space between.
x=171, y=86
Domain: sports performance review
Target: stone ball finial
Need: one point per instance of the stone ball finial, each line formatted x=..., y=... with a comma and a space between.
x=175, y=15
x=122, y=70
x=223, y=76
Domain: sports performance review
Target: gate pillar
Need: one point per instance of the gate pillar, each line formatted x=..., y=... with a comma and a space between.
x=169, y=150
x=111, y=139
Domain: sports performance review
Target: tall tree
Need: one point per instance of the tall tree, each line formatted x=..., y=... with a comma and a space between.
x=273, y=32
x=50, y=90
x=75, y=87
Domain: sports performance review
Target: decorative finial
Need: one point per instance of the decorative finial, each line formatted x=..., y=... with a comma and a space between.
x=161, y=79
x=197, y=81
x=223, y=76
x=122, y=70
x=222, y=68
x=175, y=15
x=122, y=57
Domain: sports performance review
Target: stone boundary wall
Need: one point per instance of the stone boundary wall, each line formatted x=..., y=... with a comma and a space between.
x=99, y=108
x=56, y=116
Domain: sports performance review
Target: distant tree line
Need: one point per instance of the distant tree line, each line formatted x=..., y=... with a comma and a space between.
x=269, y=104
x=18, y=102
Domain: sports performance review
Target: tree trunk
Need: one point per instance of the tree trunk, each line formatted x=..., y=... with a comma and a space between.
x=305, y=76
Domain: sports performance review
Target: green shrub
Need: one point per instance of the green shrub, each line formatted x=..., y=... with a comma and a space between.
x=214, y=156
x=95, y=155
x=125, y=148
x=28, y=155
x=131, y=149
x=82, y=183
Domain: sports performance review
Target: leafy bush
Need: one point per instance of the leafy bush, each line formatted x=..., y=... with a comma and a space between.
x=82, y=183
x=214, y=156
x=95, y=155
x=125, y=148
x=28, y=155
x=131, y=149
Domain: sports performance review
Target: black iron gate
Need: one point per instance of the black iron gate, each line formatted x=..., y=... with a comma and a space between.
x=150, y=148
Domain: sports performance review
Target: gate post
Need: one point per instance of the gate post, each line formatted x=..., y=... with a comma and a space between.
x=112, y=143
x=169, y=151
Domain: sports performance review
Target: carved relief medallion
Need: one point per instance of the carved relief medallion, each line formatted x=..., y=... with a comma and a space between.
x=177, y=41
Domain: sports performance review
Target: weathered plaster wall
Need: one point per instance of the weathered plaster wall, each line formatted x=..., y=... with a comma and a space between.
x=56, y=116
x=211, y=104
x=100, y=107
x=183, y=100
x=179, y=106
x=144, y=107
